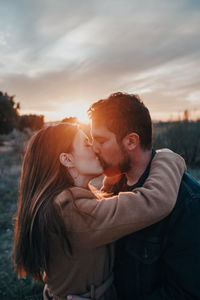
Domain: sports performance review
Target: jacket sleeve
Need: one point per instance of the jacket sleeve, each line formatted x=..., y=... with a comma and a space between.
x=181, y=274
x=104, y=221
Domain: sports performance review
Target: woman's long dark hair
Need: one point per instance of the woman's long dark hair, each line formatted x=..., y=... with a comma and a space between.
x=43, y=178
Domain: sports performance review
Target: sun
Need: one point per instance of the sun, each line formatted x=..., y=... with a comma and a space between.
x=76, y=109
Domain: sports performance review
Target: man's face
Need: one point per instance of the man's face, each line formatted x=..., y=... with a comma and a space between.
x=112, y=156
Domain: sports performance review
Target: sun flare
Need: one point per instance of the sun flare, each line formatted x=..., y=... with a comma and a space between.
x=76, y=109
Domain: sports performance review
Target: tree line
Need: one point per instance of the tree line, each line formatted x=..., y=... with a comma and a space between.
x=10, y=117
x=182, y=137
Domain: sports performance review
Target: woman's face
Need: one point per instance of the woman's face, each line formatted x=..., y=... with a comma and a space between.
x=85, y=160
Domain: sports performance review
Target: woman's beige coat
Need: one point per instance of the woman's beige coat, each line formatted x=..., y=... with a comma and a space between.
x=94, y=225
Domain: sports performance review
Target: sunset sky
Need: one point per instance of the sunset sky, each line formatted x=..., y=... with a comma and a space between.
x=59, y=56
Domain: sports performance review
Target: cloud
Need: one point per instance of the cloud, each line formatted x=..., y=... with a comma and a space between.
x=60, y=51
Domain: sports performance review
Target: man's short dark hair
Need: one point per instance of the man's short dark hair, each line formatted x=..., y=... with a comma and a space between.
x=122, y=114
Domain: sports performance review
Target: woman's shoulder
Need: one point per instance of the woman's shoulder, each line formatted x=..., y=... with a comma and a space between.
x=73, y=193
x=80, y=192
x=63, y=197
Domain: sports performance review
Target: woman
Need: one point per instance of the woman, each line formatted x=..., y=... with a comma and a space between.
x=63, y=234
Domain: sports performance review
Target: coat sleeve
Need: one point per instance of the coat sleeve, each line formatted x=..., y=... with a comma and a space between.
x=104, y=221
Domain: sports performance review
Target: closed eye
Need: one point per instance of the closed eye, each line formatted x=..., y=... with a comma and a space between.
x=99, y=140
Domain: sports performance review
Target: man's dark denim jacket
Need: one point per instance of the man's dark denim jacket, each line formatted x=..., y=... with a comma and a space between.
x=162, y=261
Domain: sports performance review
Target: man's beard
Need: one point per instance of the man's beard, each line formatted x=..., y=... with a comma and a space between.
x=124, y=166
x=103, y=163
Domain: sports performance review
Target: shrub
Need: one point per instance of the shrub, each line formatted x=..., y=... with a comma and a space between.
x=181, y=137
x=34, y=122
x=8, y=113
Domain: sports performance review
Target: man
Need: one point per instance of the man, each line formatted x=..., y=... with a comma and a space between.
x=163, y=260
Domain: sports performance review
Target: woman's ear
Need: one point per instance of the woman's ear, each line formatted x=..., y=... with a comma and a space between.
x=66, y=159
x=131, y=141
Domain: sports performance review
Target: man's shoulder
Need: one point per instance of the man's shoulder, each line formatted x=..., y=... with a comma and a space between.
x=189, y=187
x=188, y=199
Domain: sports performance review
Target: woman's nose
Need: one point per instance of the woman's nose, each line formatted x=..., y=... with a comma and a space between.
x=95, y=148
